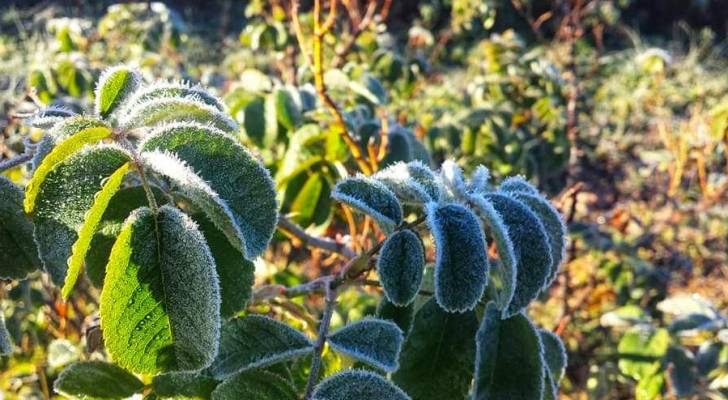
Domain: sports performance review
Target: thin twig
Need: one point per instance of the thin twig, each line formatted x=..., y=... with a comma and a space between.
x=15, y=161
x=327, y=244
x=321, y=341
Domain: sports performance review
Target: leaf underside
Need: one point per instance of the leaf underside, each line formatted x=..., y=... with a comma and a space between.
x=373, y=341
x=97, y=379
x=255, y=384
x=357, y=384
x=371, y=198
x=400, y=266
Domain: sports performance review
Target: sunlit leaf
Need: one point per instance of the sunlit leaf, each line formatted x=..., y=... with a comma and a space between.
x=114, y=87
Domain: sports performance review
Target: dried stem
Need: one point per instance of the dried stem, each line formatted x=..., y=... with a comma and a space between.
x=15, y=161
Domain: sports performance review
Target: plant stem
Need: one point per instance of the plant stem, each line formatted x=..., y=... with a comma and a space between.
x=323, y=333
x=290, y=228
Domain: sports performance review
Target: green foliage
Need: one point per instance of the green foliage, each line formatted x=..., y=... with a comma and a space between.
x=356, y=384
x=403, y=317
x=373, y=341
x=18, y=254
x=400, y=266
x=154, y=318
x=443, y=374
x=461, y=262
x=509, y=361
x=555, y=360
x=97, y=379
x=256, y=341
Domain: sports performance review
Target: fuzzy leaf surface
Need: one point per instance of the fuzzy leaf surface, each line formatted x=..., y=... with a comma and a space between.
x=255, y=384
x=160, y=304
x=18, y=254
x=370, y=197
x=64, y=199
x=530, y=244
x=184, y=384
x=554, y=356
x=114, y=87
x=509, y=363
x=402, y=316
x=256, y=341
x=86, y=231
x=162, y=90
x=400, y=266
x=231, y=171
x=412, y=182
x=461, y=261
x=438, y=355
x=167, y=110
x=373, y=341
x=356, y=385
x=97, y=379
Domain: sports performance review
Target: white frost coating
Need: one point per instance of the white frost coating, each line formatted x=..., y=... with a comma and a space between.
x=135, y=115
x=452, y=178
x=518, y=184
x=161, y=85
x=347, y=198
x=351, y=381
x=49, y=116
x=358, y=328
x=480, y=179
x=198, y=190
x=136, y=81
x=398, y=178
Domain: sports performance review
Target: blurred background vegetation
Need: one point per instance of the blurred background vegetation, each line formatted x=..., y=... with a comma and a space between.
x=618, y=109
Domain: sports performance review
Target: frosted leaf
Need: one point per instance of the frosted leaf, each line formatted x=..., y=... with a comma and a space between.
x=517, y=184
x=256, y=341
x=480, y=180
x=413, y=182
x=402, y=316
x=446, y=373
x=373, y=341
x=370, y=197
x=64, y=199
x=531, y=246
x=461, y=261
x=400, y=266
x=453, y=179
x=231, y=171
x=18, y=253
x=509, y=362
x=255, y=384
x=184, y=384
x=114, y=87
x=165, y=110
x=357, y=385
x=160, y=305
x=97, y=379
x=179, y=89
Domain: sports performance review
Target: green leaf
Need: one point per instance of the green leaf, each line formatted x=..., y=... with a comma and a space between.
x=184, y=384
x=165, y=90
x=412, y=182
x=681, y=366
x=288, y=112
x=437, y=358
x=85, y=233
x=97, y=379
x=270, y=118
x=160, y=304
x=256, y=341
x=370, y=197
x=230, y=170
x=255, y=384
x=115, y=86
x=509, y=363
x=236, y=274
x=400, y=266
x=6, y=345
x=18, y=254
x=530, y=243
x=357, y=385
x=373, y=341
x=554, y=227
x=504, y=271
x=640, y=352
x=254, y=122
x=402, y=316
x=121, y=204
x=554, y=355
x=461, y=261
x=63, y=201
x=165, y=110
x=59, y=153
x=371, y=89
x=48, y=117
